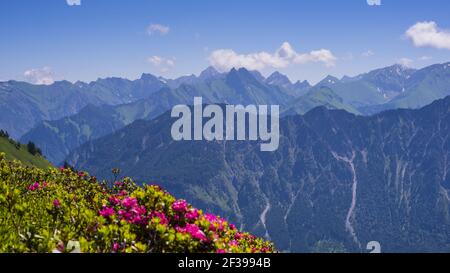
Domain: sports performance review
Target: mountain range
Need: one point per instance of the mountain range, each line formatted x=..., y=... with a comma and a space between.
x=387, y=88
x=24, y=105
x=361, y=158
x=337, y=177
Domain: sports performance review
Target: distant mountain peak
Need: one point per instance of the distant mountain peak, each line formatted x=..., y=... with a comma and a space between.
x=396, y=69
x=401, y=68
x=61, y=84
x=239, y=75
x=390, y=81
x=233, y=70
x=328, y=80
x=277, y=74
x=333, y=78
x=276, y=78
x=148, y=76
x=241, y=72
x=210, y=71
x=81, y=84
x=302, y=84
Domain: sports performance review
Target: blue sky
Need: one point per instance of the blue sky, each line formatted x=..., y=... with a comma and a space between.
x=50, y=40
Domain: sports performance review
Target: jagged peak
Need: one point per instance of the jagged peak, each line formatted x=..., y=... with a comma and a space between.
x=328, y=80
x=210, y=70
x=303, y=84
x=148, y=76
x=278, y=78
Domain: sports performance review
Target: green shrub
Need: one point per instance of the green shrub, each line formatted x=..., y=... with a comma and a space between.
x=59, y=210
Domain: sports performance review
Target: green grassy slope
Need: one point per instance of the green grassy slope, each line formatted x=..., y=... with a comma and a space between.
x=21, y=154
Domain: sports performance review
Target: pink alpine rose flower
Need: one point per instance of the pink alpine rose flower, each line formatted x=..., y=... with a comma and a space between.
x=162, y=217
x=113, y=200
x=124, y=215
x=116, y=247
x=139, y=210
x=179, y=206
x=138, y=220
x=210, y=217
x=123, y=193
x=192, y=215
x=217, y=224
x=56, y=203
x=194, y=231
x=129, y=202
x=107, y=212
x=33, y=186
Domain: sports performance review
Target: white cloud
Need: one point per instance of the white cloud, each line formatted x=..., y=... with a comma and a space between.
x=427, y=34
x=374, y=2
x=155, y=60
x=368, y=53
x=73, y=2
x=425, y=58
x=225, y=59
x=170, y=62
x=164, y=64
x=42, y=75
x=405, y=62
x=158, y=29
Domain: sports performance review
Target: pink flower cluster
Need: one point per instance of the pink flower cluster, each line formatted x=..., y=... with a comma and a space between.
x=130, y=203
x=193, y=230
x=116, y=247
x=179, y=206
x=132, y=212
x=56, y=203
x=162, y=217
x=192, y=215
x=184, y=218
x=129, y=209
x=113, y=200
x=217, y=224
x=35, y=186
x=265, y=249
x=123, y=193
x=107, y=212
